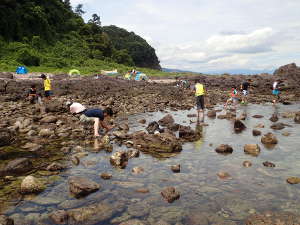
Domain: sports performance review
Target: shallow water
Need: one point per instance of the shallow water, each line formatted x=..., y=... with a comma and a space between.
x=230, y=201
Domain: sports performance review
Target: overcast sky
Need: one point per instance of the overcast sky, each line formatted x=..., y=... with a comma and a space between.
x=209, y=35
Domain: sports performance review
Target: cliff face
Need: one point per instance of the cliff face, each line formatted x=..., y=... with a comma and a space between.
x=289, y=70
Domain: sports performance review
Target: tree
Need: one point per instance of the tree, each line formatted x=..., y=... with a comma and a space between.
x=79, y=10
x=95, y=20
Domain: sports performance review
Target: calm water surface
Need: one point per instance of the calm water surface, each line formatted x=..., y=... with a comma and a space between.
x=250, y=190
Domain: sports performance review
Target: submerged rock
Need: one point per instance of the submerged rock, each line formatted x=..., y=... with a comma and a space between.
x=247, y=164
x=55, y=167
x=170, y=194
x=31, y=184
x=273, y=218
x=59, y=217
x=17, y=167
x=119, y=159
x=252, y=149
x=133, y=222
x=269, y=139
x=224, y=149
x=293, y=180
x=81, y=186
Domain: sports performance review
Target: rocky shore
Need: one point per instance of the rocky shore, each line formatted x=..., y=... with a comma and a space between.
x=39, y=142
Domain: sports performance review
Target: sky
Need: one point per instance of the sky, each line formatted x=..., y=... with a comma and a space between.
x=209, y=35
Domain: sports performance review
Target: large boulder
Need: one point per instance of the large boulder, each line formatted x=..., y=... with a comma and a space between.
x=166, y=120
x=269, y=139
x=16, y=167
x=252, y=149
x=119, y=159
x=81, y=186
x=31, y=185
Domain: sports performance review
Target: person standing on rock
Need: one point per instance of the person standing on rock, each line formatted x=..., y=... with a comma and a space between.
x=47, y=87
x=199, y=93
x=96, y=115
x=245, y=91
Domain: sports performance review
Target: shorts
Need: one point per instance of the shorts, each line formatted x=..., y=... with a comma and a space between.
x=234, y=100
x=48, y=93
x=245, y=92
x=200, y=102
x=84, y=119
x=276, y=92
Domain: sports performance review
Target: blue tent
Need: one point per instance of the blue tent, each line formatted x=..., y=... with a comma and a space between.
x=21, y=70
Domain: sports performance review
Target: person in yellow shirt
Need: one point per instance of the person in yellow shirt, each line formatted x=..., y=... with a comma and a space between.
x=47, y=87
x=199, y=91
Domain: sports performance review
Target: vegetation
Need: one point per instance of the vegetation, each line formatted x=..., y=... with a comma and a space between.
x=50, y=36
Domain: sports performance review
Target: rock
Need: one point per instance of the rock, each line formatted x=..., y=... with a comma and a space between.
x=224, y=149
x=137, y=170
x=269, y=139
x=268, y=164
x=239, y=126
x=106, y=176
x=31, y=184
x=59, y=217
x=120, y=134
x=188, y=134
x=166, y=120
x=198, y=218
x=16, y=167
x=247, y=164
x=252, y=149
x=119, y=159
x=81, y=186
x=152, y=127
x=286, y=134
x=32, y=147
x=55, y=167
x=258, y=116
x=6, y=137
x=5, y=220
x=124, y=127
x=211, y=114
x=46, y=133
x=174, y=127
x=49, y=119
x=273, y=218
x=274, y=118
x=293, y=180
x=256, y=132
x=78, y=148
x=142, y=121
x=277, y=126
x=170, y=194
x=75, y=160
x=133, y=222
x=191, y=115
x=223, y=175
x=297, y=117
x=133, y=153
x=142, y=190
x=176, y=168
x=260, y=125
x=55, y=106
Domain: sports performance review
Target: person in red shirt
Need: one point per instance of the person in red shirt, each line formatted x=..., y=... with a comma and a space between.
x=233, y=97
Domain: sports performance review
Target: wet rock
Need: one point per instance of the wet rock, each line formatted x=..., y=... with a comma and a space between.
x=139, y=209
x=256, y=132
x=224, y=149
x=137, y=170
x=5, y=220
x=46, y=132
x=133, y=222
x=293, y=180
x=277, y=126
x=211, y=114
x=120, y=134
x=176, y=168
x=258, y=116
x=49, y=119
x=142, y=190
x=166, y=120
x=197, y=218
x=239, y=126
x=119, y=159
x=274, y=118
x=191, y=115
x=55, y=167
x=81, y=186
x=269, y=139
x=286, y=134
x=59, y=217
x=142, y=121
x=30, y=185
x=78, y=148
x=297, y=117
x=260, y=125
x=268, y=164
x=6, y=137
x=124, y=127
x=16, y=167
x=152, y=127
x=55, y=106
x=33, y=147
x=273, y=218
x=188, y=134
x=252, y=149
x=247, y=164
x=106, y=176
x=75, y=160
x=170, y=194
x=133, y=153
x=174, y=127
x=223, y=175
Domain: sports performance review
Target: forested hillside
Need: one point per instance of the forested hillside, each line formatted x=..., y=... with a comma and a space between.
x=51, y=33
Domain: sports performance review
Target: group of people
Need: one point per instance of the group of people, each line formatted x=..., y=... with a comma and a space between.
x=34, y=97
